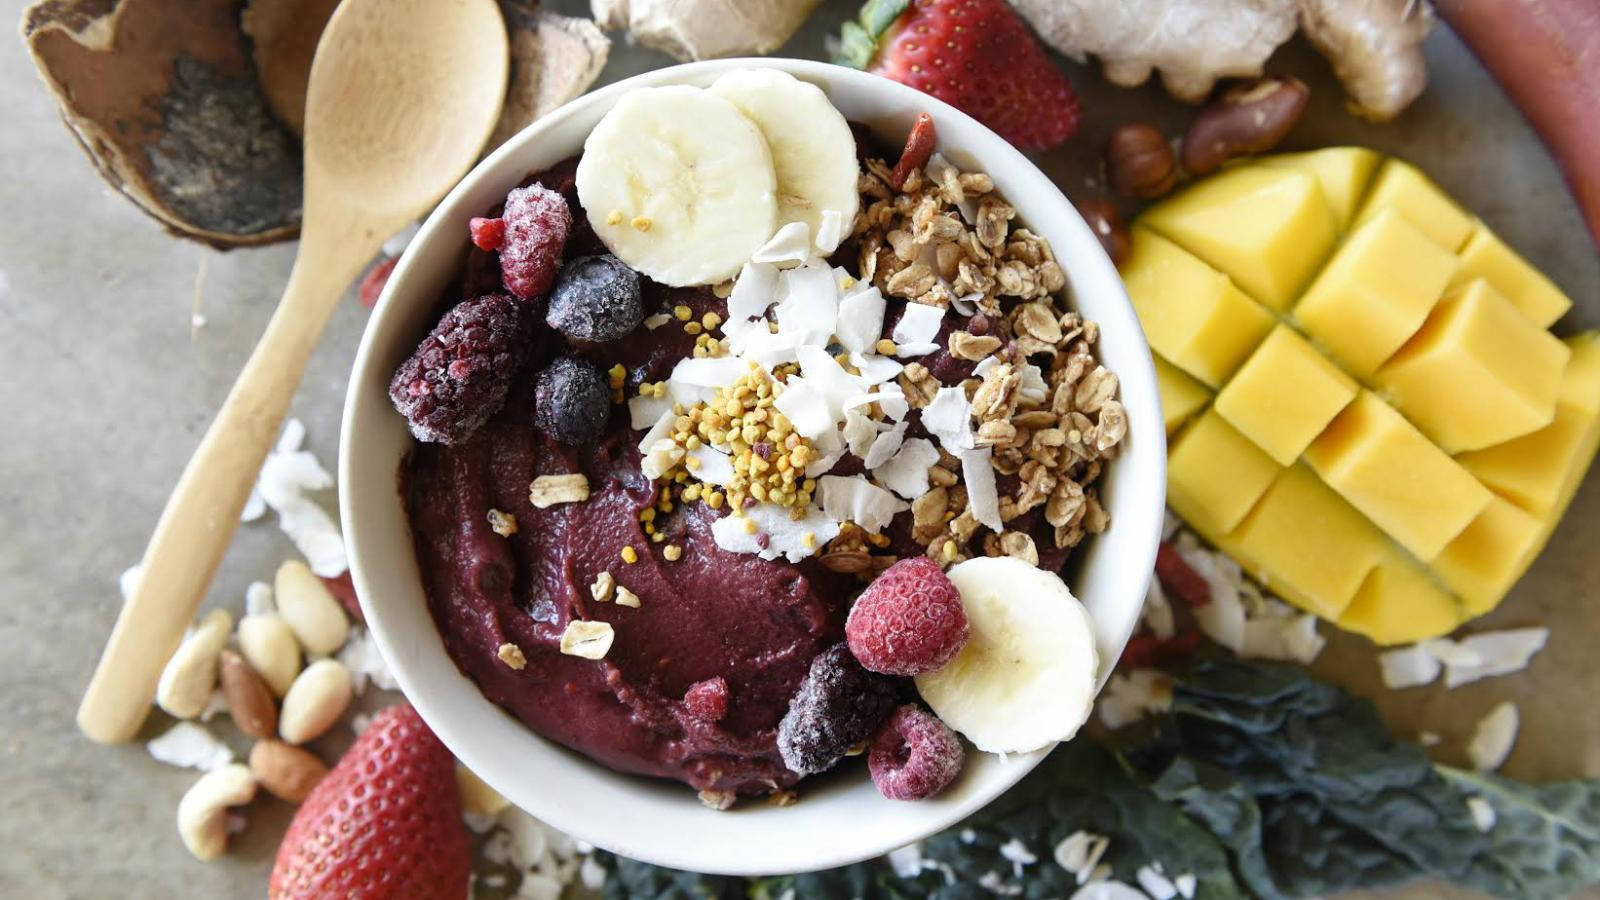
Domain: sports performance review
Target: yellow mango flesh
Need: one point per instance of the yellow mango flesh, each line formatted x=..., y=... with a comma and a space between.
x=1478, y=373
x=1580, y=385
x=1489, y=556
x=1400, y=604
x=1215, y=475
x=1375, y=293
x=1307, y=544
x=1191, y=314
x=1387, y=469
x=1402, y=188
x=1181, y=395
x=1343, y=173
x=1266, y=229
x=1284, y=395
x=1486, y=256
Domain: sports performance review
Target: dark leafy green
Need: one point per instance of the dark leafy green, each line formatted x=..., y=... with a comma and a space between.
x=1546, y=837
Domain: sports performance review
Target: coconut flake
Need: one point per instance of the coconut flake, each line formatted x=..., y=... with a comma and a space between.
x=832, y=448
x=984, y=365
x=254, y=507
x=875, y=369
x=914, y=334
x=1429, y=738
x=1018, y=854
x=805, y=407
x=708, y=372
x=890, y=398
x=790, y=246
x=646, y=411
x=661, y=431
x=906, y=473
x=360, y=655
x=1498, y=652
x=1032, y=387
x=948, y=417
x=258, y=599
x=1223, y=619
x=1406, y=667
x=713, y=466
x=826, y=375
x=652, y=322
x=1157, y=612
x=858, y=500
x=830, y=231
x=1108, y=890
x=753, y=292
x=1494, y=737
x=885, y=446
x=1131, y=696
x=776, y=533
x=983, y=496
x=860, y=320
x=809, y=312
x=1451, y=653
x=128, y=581
x=859, y=431
x=906, y=861
x=1483, y=814
x=188, y=746
x=1155, y=882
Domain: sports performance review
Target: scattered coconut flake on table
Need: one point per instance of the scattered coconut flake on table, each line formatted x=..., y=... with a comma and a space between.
x=1080, y=853
x=791, y=246
x=860, y=320
x=1498, y=653
x=129, y=580
x=1019, y=855
x=983, y=496
x=1494, y=737
x=1186, y=885
x=1132, y=695
x=776, y=533
x=1155, y=882
x=1429, y=739
x=906, y=473
x=360, y=655
x=216, y=704
x=1406, y=667
x=1223, y=619
x=258, y=599
x=853, y=498
x=1157, y=612
x=906, y=861
x=1483, y=814
x=400, y=240
x=914, y=334
x=948, y=417
x=189, y=746
x=288, y=473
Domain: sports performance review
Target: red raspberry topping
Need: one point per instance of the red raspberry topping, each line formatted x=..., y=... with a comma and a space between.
x=1180, y=579
x=373, y=282
x=914, y=755
x=908, y=621
x=707, y=700
x=487, y=234
x=534, y=233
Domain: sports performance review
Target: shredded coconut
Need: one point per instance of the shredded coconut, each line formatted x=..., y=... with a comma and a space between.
x=948, y=417
x=360, y=655
x=914, y=334
x=790, y=246
x=907, y=472
x=775, y=534
x=189, y=746
x=1407, y=667
x=857, y=500
x=983, y=497
x=1494, y=737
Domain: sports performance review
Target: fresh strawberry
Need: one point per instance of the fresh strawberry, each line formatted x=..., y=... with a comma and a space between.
x=976, y=55
x=385, y=823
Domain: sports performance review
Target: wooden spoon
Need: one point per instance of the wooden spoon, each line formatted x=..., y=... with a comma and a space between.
x=403, y=95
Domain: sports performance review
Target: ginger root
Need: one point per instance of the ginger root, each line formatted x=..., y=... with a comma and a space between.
x=705, y=29
x=1373, y=45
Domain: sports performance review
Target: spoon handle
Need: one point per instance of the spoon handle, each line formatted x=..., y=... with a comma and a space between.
x=201, y=515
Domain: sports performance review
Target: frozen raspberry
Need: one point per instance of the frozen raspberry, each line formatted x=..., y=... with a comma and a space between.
x=837, y=707
x=572, y=400
x=459, y=374
x=596, y=299
x=908, y=621
x=487, y=234
x=914, y=755
x=707, y=700
x=373, y=282
x=530, y=236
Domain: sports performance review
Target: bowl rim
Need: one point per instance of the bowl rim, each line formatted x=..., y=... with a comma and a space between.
x=456, y=725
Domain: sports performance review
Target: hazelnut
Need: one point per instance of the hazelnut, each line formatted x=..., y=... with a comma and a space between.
x=1139, y=162
x=1101, y=214
x=1253, y=117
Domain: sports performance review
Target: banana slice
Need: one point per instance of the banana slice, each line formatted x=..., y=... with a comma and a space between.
x=679, y=185
x=1026, y=677
x=813, y=150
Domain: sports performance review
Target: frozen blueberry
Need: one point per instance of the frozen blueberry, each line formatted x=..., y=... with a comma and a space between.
x=572, y=400
x=837, y=707
x=460, y=373
x=596, y=298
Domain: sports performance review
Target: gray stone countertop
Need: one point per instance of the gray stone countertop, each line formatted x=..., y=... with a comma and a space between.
x=109, y=390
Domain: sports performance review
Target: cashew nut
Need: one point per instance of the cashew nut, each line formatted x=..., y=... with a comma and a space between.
x=270, y=647
x=203, y=811
x=310, y=609
x=191, y=674
x=315, y=701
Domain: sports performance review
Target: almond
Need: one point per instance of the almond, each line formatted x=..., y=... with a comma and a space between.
x=250, y=701
x=287, y=772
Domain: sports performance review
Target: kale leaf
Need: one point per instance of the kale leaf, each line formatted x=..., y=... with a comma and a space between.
x=1545, y=842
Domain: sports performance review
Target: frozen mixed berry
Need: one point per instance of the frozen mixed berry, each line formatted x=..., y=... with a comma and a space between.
x=596, y=299
x=707, y=700
x=572, y=400
x=530, y=235
x=373, y=283
x=914, y=755
x=837, y=707
x=460, y=373
x=908, y=621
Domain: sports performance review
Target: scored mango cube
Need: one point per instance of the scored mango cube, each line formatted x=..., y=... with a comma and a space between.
x=1580, y=384
x=1486, y=256
x=1284, y=395
x=1343, y=173
x=1478, y=373
x=1387, y=469
x=1266, y=229
x=1191, y=314
x=1375, y=293
x=1305, y=543
x=1403, y=188
x=1487, y=558
x=1400, y=603
x=1215, y=475
x=1181, y=395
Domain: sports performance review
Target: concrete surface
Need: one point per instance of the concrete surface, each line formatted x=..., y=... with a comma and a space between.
x=107, y=395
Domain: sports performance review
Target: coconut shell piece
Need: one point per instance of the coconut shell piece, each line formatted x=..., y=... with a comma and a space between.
x=164, y=98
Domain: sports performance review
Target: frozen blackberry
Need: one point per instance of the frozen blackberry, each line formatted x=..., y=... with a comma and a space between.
x=837, y=707
x=596, y=298
x=914, y=755
x=530, y=236
x=458, y=377
x=572, y=400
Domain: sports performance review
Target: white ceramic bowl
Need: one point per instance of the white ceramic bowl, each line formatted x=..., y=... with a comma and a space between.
x=839, y=820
